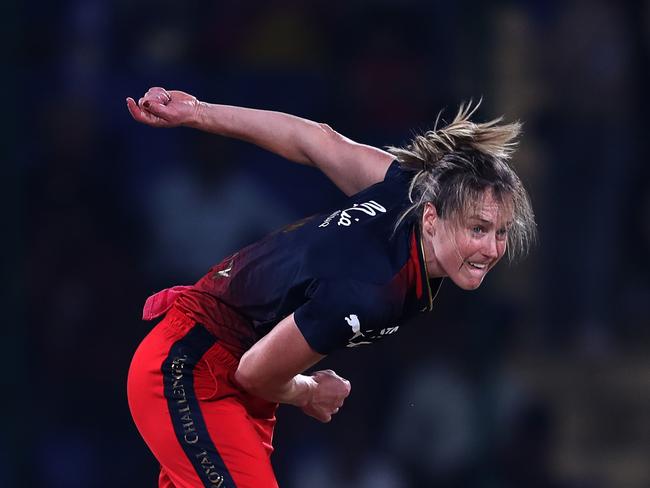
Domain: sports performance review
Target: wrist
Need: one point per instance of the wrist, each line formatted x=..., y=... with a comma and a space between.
x=197, y=119
x=305, y=387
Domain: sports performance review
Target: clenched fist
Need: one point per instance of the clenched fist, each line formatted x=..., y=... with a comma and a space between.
x=328, y=396
x=162, y=108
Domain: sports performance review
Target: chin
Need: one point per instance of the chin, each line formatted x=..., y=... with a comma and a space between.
x=467, y=285
x=472, y=287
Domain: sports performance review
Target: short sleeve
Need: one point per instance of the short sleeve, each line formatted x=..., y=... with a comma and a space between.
x=342, y=314
x=395, y=172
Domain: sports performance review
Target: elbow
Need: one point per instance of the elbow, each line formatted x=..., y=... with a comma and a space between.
x=246, y=381
x=322, y=141
x=329, y=135
x=248, y=378
x=326, y=129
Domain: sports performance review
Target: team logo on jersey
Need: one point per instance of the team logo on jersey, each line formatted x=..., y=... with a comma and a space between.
x=366, y=337
x=353, y=321
x=350, y=215
x=225, y=272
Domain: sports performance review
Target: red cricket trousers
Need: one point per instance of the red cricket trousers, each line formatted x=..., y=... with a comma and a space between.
x=202, y=429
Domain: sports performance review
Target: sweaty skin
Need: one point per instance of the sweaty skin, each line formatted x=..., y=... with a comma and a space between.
x=466, y=251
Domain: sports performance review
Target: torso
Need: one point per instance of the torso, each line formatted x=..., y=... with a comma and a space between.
x=348, y=276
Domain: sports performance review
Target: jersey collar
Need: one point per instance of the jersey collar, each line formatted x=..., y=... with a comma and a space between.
x=426, y=289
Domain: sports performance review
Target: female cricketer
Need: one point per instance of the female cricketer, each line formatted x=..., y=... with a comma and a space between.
x=204, y=384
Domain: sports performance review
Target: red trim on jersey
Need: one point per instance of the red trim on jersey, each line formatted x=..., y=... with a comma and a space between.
x=415, y=260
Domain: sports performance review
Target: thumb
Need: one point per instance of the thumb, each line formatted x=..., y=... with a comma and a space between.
x=157, y=109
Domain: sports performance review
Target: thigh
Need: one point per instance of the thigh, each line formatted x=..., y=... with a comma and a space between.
x=190, y=415
x=221, y=448
x=242, y=442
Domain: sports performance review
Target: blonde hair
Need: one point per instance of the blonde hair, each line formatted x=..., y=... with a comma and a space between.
x=454, y=166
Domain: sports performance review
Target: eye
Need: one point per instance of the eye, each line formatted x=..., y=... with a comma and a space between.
x=502, y=233
x=478, y=229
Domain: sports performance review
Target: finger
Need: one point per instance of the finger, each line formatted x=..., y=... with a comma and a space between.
x=135, y=111
x=320, y=416
x=324, y=372
x=139, y=114
x=341, y=378
x=336, y=410
x=156, y=90
x=348, y=387
x=132, y=107
x=158, y=94
x=146, y=101
x=158, y=109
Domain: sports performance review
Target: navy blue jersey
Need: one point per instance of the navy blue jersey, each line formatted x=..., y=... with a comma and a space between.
x=348, y=275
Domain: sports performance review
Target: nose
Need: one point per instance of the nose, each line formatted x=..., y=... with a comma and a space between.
x=490, y=249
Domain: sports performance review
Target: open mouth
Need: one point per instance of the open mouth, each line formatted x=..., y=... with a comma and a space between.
x=478, y=266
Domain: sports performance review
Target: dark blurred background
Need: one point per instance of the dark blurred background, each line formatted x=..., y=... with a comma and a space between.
x=539, y=379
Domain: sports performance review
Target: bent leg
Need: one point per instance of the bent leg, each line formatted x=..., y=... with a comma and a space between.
x=199, y=441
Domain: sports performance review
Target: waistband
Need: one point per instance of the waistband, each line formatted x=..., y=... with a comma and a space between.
x=179, y=321
x=234, y=331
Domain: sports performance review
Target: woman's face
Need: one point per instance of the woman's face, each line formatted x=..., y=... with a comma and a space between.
x=466, y=250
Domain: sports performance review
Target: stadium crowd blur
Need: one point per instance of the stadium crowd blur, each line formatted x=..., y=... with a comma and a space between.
x=539, y=379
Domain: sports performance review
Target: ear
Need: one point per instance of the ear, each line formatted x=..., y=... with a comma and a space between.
x=429, y=217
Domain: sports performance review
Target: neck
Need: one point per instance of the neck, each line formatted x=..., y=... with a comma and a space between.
x=430, y=261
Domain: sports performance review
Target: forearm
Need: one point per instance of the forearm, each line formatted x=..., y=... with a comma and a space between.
x=351, y=166
x=272, y=368
x=280, y=133
x=298, y=391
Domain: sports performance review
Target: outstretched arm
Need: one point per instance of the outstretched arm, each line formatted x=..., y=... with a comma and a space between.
x=351, y=166
x=272, y=369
